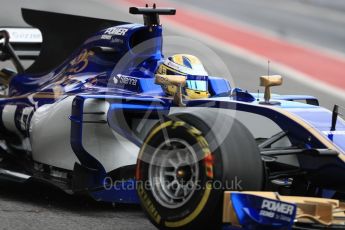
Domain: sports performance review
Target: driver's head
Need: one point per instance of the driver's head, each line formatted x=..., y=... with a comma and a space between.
x=189, y=66
x=182, y=64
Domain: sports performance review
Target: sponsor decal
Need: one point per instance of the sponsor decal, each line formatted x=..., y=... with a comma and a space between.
x=149, y=207
x=340, y=132
x=125, y=80
x=117, y=40
x=178, y=124
x=79, y=63
x=106, y=37
x=208, y=157
x=116, y=31
x=277, y=210
x=115, y=79
x=25, y=118
x=24, y=35
x=253, y=211
x=279, y=207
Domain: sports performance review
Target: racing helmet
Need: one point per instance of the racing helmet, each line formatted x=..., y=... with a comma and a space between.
x=190, y=66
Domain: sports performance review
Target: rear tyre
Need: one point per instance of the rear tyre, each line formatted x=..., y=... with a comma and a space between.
x=182, y=173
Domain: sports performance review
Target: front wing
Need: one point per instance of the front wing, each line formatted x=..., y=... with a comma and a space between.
x=268, y=210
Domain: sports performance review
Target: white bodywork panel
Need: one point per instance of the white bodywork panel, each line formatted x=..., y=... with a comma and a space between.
x=50, y=134
x=50, y=137
x=108, y=147
x=8, y=118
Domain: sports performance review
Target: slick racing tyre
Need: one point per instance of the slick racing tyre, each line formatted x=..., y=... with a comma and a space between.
x=184, y=167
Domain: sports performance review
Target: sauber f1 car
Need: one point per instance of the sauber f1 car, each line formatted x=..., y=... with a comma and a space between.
x=102, y=112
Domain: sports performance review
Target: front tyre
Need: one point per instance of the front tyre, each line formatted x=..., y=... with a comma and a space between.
x=181, y=178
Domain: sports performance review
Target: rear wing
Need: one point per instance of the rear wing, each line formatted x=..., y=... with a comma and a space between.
x=18, y=44
x=56, y=37
x=62, y=34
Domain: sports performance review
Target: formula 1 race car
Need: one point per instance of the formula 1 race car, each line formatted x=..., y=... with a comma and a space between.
x=102, y=112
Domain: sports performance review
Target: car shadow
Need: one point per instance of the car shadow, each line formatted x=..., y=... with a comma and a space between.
x=47, y=196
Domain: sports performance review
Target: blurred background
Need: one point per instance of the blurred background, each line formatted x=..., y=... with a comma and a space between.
x=303, y=39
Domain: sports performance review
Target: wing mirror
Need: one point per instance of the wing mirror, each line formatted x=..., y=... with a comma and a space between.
x=173, y=80
x=268, y=82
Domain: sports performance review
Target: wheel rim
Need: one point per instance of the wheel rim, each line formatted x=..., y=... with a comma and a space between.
x=173, y=173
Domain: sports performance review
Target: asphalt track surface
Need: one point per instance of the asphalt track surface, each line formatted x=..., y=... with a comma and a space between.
x=315, y=25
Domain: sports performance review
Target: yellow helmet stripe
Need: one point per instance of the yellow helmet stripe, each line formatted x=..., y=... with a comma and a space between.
x=174, y=70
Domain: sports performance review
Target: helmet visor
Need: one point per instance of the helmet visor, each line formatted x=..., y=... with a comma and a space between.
x=200, y=85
